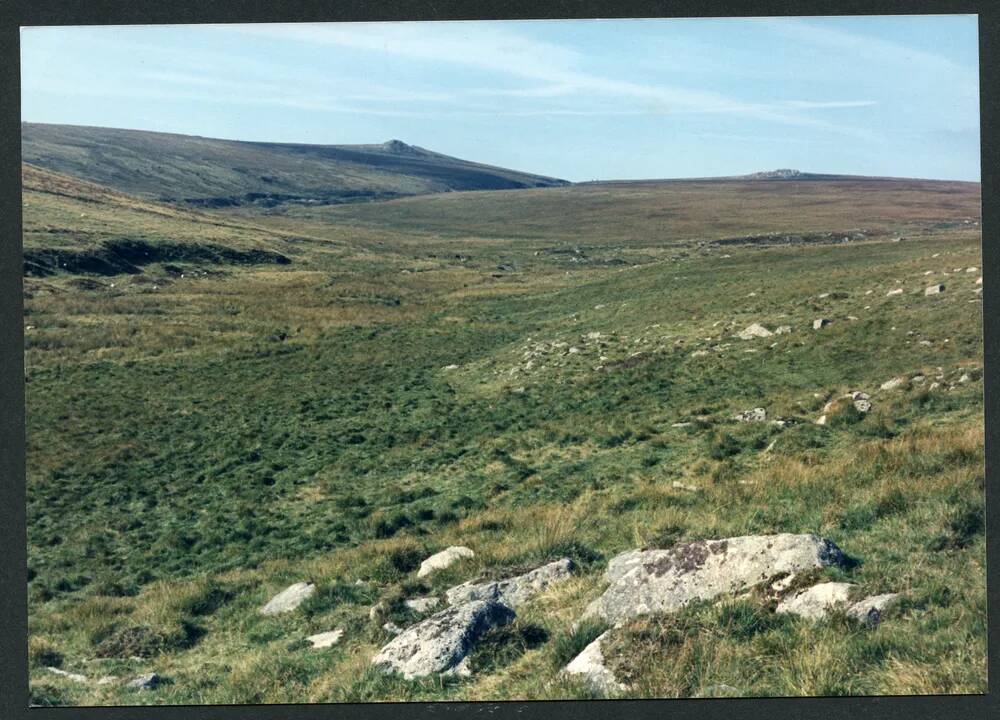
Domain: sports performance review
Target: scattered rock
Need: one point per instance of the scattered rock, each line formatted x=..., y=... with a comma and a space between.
x=783, y=329
x=699, y=353
x=749, y=416
x=589, y=665
x=820, y=323
x=512, y=591
x=109, y=679
x=979, y=281
x=681, y=425
x=148, y=681
x=869, y=611
x=75, y=677
x=650, y=581
x=289, y=598
x=892, y=384
x=444, y=559
x=897, y=291
x=678, y=485
x=423, y=604
x=378, y=611
x=934, y=289
x=443, y=640
x=821, y=420
x=816, y=602
x=326, y=639
x=753, y=331
x=971, y=269
x=392, y=628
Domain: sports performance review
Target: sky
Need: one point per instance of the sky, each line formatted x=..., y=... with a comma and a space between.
x=576, y=99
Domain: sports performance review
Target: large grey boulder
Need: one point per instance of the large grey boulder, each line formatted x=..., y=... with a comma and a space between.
x=289, y=598
x=440, y=643
x=443, y=559
x=589, y=666
x=652, y=581
x=512, y=591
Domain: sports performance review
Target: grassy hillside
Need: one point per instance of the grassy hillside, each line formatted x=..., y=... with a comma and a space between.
x=216, y=173
x=196, y=448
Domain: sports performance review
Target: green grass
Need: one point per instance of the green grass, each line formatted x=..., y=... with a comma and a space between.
x=194, y=449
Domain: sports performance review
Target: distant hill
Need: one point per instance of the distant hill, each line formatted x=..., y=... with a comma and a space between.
x=217, y=173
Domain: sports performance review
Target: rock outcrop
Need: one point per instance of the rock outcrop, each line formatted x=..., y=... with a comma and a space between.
x=512, y=591
x=651, y=581
x=441, y=642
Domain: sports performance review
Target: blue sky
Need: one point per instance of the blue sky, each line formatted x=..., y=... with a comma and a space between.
x=582, y=100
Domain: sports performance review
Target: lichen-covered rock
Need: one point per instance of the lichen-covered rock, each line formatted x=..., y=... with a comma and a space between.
x=440, y=643
x=289, y=598
x=513, y=591
x=651, y=581
x=443, y=559
x=750, y=416
x=589, y=666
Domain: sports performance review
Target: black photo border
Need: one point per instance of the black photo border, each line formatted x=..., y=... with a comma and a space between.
x=13, y=538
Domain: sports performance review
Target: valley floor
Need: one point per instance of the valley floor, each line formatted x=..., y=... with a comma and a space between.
x=423, y=374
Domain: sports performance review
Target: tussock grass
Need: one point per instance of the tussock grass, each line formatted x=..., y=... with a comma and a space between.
x=195, y=449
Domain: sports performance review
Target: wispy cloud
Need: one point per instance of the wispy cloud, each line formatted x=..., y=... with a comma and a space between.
x=557, y=67
x=824, y=104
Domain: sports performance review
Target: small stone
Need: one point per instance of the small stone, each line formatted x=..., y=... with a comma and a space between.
x=934, y=289
x=783, y=329
x=450, y=367
x=289, y=598
x=75, y=677
x=750, y=416
x=392, y=628
x=148, y=681
x=444, y=559
x=423, y=604
x=325, y=639
x=820, y=323
x=753, y=331
x=678, y=485
x=892, y=384
x=589, y=665
x=897, y=291
x=821, y=420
